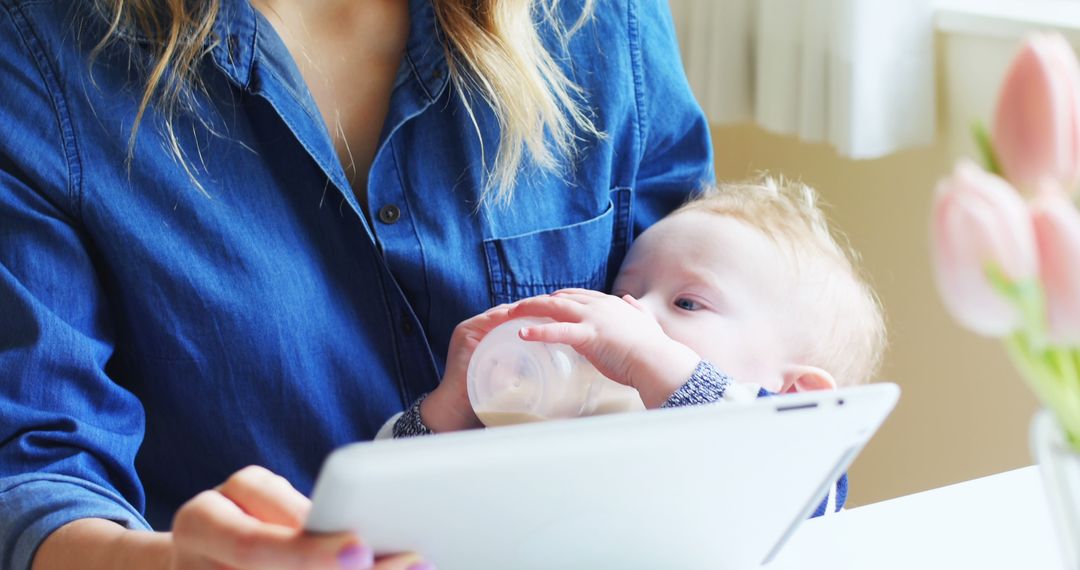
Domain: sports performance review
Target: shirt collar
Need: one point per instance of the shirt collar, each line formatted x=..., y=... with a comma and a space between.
x=424, y=51
x=236, y=30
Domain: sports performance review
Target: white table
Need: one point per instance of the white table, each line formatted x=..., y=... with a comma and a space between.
x=1000, y=521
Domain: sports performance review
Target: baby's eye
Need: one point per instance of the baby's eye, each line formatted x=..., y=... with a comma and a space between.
x=687, y=304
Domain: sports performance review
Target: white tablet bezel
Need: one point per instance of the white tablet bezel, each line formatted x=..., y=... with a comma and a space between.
x=719, y=486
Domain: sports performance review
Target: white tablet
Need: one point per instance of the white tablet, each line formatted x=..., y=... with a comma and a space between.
x=718, y=486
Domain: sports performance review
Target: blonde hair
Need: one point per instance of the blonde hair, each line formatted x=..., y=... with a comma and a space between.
x=849, y=327
x=493, y=49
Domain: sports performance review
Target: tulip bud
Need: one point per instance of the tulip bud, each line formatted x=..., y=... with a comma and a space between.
x=1057, y=236
x=1037, y=123
x=980, y=221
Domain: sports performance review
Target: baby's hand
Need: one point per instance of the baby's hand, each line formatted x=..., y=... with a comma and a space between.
x=617, y=335
x=447, y=408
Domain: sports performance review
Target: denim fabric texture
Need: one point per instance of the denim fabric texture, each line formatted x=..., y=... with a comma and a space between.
x=153, y=339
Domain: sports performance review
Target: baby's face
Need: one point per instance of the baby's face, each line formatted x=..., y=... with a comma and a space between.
x=719, y=286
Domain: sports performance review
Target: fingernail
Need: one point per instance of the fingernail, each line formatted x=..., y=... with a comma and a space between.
x=422, y=566
x=356, y=557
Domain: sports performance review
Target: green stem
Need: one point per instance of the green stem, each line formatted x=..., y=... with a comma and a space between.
x=1071, y=395
x=1052, y=372
x=1044, y=370
x=986, y=148
x=1032, y=370
x=1065, y=366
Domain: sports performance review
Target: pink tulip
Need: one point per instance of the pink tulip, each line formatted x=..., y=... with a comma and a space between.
x=979, y=220
x=1057, y=236
x=1037, y=124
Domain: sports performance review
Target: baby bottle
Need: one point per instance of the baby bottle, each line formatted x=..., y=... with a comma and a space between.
x=512, y=381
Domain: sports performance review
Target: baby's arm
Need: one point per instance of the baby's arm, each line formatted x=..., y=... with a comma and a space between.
x=406, y=424
x=708, y=385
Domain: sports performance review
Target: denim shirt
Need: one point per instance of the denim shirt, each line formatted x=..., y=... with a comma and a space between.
x=154, y=339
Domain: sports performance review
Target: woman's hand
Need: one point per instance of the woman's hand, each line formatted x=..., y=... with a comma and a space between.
x=253, y=521
x=447, y=408
x=617, y=335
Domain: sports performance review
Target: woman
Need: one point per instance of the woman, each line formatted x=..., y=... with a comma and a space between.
x=241, y=232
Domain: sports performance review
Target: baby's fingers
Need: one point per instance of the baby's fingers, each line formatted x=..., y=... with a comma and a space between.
x=476, y=328
x=555, y=308
x=578, y=292
x=594, y=298
x=496, y=313
x=630, y=300
x=497, y=310
x=573, y=334
x=492, y=317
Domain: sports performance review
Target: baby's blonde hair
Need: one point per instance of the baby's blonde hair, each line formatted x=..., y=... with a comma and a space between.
x=850, y=335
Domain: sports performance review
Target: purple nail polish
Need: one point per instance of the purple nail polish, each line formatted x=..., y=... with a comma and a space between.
x=356, y=557
x=422, y=566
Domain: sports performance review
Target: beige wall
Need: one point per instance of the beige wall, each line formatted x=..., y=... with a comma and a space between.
x=964, y=412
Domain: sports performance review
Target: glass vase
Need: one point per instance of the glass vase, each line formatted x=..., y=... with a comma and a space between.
x=1060, y=467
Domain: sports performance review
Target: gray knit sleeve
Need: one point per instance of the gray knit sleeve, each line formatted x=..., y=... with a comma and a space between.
x=705, y=386
x=410, y=424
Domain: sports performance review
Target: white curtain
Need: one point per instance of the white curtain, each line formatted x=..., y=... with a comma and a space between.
x=858, y=74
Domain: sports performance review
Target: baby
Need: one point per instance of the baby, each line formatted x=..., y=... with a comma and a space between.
x=741, y=291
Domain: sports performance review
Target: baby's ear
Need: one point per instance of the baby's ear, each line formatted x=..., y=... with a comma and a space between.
x=802, y=378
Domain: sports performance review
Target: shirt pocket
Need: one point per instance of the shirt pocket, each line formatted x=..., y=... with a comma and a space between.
x=586, y=254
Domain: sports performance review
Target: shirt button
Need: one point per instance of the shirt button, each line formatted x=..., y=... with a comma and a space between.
x=407, y=326
x=389, y=214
